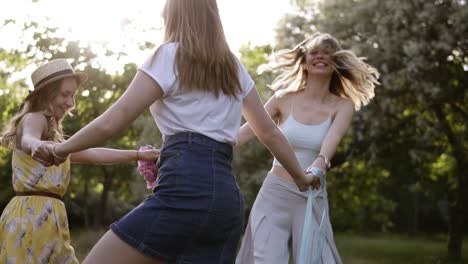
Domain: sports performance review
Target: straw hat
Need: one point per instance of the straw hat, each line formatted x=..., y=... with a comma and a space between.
x=52, y=71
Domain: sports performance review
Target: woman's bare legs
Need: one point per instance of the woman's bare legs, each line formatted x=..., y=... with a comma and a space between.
x=111, y=249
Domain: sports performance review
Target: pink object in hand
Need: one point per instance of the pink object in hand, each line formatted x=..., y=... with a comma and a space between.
x=149, y=170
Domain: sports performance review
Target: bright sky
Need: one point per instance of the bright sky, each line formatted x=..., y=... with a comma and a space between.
x=102, y=23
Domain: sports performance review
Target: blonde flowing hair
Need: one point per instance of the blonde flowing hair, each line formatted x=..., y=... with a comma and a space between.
x=352, y=78
x=204, y=60
x=38, y=102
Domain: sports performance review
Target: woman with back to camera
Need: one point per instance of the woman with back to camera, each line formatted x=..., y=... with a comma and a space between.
x=317, y=92
x=196, y=90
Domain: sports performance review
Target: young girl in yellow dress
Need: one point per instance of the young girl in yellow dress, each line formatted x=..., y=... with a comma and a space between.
x=34, y=225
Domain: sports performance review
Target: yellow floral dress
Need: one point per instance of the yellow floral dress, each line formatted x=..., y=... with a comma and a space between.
x=34, y=229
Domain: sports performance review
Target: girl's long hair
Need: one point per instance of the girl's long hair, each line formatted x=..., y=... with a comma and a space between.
x=352, y=77
x=204, y=61
x=38, y=102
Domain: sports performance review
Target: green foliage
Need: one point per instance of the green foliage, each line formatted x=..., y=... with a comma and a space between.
x=251, y=164
x=355, y=199
x=11, y=93
x=5, y=177
x=252, y=57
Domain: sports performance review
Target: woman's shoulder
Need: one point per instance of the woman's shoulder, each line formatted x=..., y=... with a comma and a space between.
x=282, y=101
x=159, y=64
x=283, y=97
x=343, y=104
x=35, y=120
x=35, y=117
x=279, y=98
x=165, y=50
x=167, y=47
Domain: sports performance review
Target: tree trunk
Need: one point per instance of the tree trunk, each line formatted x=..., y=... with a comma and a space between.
x=85, y=202
x=456, y=210
x=456, y=196
x=455, y=236
x=414, y=215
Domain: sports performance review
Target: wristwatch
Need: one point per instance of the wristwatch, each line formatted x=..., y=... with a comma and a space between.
x=327, y=161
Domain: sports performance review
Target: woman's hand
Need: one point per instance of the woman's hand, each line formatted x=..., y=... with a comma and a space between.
x=315, y=182
x=148, y=154
x=308, y=180
x=148, y=168
x=313, y=173
x=40, y=152
x=304, y=182
x=319, y=163
x=58, y=158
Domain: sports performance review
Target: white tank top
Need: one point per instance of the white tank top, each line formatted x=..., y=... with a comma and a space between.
x=305, y=140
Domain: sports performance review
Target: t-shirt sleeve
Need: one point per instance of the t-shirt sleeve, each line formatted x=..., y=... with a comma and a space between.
x=161, y=66
x=245, y=80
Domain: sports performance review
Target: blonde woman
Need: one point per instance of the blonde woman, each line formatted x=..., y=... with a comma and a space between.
x=34, y=225
x=320, y=87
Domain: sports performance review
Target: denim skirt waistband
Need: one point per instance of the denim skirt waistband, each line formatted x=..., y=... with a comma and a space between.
x=192, y=137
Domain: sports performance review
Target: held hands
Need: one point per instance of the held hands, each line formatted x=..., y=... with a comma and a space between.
x=314, y=173
x=148, y=153
x=44, y=153
x=311, y=178
x=147, y=166
x=319, y=163
x=303, y=183
x=56, y=158
x=41, y=153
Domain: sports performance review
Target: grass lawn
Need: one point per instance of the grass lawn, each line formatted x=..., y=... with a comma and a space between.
x=354, y=249
x=386, y=249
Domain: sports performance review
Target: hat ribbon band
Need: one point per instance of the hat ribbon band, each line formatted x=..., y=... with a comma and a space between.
x=55, y=74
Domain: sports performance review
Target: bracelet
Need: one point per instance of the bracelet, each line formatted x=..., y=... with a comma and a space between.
x=327, y=161
x=55, y=154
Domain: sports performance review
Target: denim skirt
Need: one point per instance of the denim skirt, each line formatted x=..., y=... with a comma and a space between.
x=195, y=213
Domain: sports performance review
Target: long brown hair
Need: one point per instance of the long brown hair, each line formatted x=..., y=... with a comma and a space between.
x=38, y=102
x=203, y=60
x=352, y=77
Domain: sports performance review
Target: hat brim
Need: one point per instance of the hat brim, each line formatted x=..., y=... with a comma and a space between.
x=80, y=76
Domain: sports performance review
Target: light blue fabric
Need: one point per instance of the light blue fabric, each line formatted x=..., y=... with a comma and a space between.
x=307, y=229
x=277, y=220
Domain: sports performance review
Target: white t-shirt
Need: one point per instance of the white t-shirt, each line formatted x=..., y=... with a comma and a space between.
x=195, y=111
